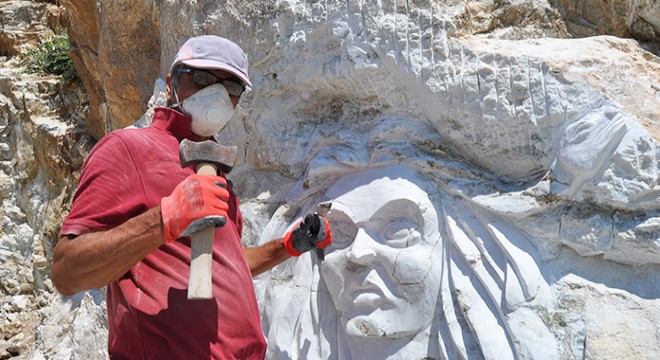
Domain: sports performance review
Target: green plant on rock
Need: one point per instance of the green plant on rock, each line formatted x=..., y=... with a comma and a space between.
x=51, y=56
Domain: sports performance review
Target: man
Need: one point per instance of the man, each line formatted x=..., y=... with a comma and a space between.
x=133, y=202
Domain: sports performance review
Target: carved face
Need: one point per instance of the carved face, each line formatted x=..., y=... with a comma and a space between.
x=382, y=269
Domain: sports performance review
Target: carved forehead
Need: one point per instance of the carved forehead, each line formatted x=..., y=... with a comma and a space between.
x=362, y=194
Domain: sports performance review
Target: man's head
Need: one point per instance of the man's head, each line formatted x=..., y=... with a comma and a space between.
x=206, y=60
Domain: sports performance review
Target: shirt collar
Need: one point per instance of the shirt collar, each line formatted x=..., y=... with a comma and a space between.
x=173, y=121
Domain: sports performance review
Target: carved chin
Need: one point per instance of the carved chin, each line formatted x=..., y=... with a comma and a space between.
x=363, y=326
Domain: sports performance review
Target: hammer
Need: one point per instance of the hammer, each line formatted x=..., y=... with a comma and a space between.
x=207, y=156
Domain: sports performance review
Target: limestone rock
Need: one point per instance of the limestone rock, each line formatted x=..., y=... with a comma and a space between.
x=43, y=145
x=84, y=39
x=68, y=323
x=128, y=66
x=637, y=19
x=117, y=59
x=23, y=22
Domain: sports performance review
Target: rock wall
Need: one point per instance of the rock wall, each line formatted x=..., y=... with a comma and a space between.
x=496, y=101
x=43, y=143
x=39, y=154
x=116, y=48
x=119, y=47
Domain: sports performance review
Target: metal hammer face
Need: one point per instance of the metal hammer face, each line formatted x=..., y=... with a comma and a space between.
x=209, y=152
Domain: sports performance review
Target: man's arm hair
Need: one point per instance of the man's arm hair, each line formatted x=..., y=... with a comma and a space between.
x=264, y=257
x=93, y=260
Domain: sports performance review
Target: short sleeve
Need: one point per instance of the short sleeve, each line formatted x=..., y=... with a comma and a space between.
x=109, y=191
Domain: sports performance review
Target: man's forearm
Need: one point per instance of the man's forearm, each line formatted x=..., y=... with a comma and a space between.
x=93, y=260
x=263, y=258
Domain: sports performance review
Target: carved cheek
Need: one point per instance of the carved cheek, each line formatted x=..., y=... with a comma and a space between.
x=412, y=266
x=332, y=270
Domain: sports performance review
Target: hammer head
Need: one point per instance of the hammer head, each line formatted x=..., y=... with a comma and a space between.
x=209, y=152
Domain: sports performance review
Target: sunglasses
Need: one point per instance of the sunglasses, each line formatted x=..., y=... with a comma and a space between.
x=204, y=78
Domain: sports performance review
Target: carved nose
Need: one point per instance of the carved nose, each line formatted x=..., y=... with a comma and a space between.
x=362, y=250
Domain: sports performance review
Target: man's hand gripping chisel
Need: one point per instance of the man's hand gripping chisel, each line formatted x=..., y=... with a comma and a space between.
x=312, y=232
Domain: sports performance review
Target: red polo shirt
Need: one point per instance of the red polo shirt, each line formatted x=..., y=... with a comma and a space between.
x=149, y=315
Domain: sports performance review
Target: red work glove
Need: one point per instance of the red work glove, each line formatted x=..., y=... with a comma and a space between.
x=312, y=232
x=197, y=202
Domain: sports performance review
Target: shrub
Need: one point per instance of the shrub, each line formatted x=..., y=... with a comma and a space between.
x=51, y=56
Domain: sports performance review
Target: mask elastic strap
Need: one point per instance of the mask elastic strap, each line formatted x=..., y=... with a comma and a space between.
x=176, y=97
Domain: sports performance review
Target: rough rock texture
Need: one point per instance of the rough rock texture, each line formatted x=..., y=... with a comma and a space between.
x=117, y=46
x=23, y=22
x=555, y=136
x=42, y=144
x=621, y=18
x=116, y=49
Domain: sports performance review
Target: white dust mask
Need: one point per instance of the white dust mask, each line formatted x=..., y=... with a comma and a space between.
x=210, y=109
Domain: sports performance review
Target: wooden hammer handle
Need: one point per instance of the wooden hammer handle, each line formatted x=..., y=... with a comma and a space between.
x=200, y=283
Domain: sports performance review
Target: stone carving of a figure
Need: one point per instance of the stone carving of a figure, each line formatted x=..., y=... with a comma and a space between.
x=410, y=275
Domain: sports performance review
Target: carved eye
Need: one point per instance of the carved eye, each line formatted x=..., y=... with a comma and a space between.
x=343, y=234
x=400, y=233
